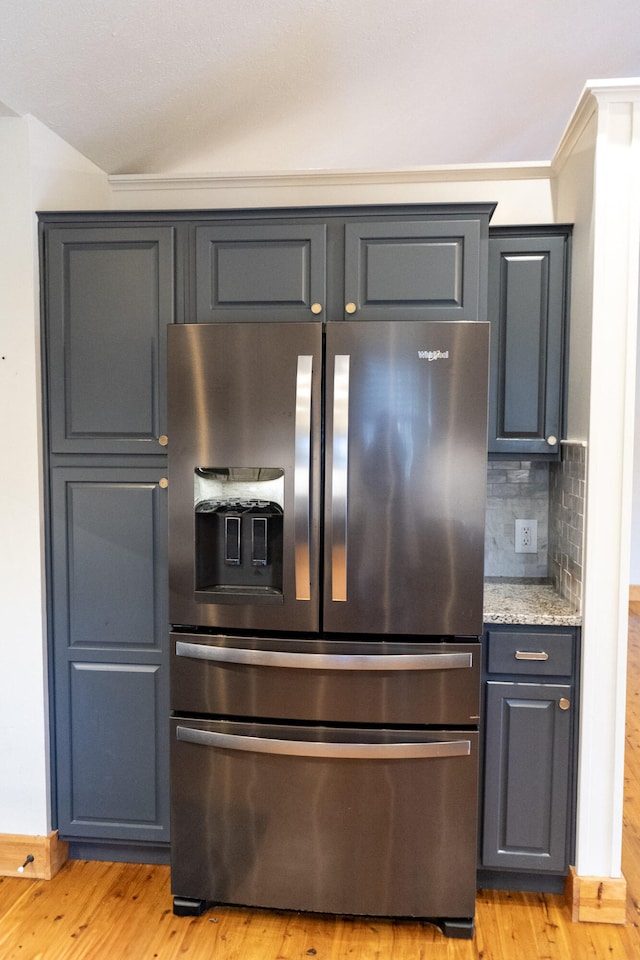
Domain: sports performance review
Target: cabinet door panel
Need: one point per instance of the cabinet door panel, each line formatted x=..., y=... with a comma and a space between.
x=260, y=271
x=426, y=269
x=110, y=558
x=116, y=760
x=527, y=765
x=110, y=294
x=527, y=312
x=110, y=641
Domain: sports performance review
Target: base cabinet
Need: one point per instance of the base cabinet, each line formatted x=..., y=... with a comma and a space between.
x=526, y=776
x=529, y=750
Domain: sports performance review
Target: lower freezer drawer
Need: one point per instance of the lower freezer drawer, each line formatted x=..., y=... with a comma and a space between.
x=347, y=821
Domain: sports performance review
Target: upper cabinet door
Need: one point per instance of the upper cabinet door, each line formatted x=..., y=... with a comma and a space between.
x=422, y=270
x=527, y=310
x=109, y=296
x=268, y=271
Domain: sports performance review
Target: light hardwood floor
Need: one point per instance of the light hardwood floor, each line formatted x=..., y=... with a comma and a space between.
x=105, y=911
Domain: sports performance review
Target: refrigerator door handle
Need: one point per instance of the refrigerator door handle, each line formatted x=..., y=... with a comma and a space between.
x=336, y=751
x=325, y=661
x=339, y=478
x=302, y=479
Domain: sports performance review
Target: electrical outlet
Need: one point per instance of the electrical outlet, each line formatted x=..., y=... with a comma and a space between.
x=526, y=537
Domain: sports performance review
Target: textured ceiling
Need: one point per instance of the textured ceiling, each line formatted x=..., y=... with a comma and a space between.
x=162, y=86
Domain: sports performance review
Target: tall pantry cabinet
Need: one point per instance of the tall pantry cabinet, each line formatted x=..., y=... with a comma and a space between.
x=108, y=294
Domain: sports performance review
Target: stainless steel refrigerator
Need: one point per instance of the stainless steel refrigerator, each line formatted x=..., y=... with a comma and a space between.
x=326, y=541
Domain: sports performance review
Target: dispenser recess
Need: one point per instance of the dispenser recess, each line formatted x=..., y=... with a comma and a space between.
x=238, y=516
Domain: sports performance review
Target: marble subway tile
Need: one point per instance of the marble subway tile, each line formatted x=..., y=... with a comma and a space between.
x=551, y=493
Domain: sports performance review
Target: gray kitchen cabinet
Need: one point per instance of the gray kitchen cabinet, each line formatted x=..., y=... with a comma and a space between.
x=528, y=283
x=529, y=749
x=266, y=271
x=422, y=269
x=109, y=294
x=109, y=600
x=111, y=283
x=344, y=263
x=109, y=290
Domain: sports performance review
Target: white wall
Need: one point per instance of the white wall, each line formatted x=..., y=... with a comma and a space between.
x=634, y=566
x=36, y=170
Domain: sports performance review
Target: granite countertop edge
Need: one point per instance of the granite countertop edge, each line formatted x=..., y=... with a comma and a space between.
x=533, y=602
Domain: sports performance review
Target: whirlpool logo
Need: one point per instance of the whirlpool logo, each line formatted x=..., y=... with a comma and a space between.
x=433, y=355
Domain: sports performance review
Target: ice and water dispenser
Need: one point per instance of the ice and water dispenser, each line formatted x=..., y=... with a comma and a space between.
x=238, y=531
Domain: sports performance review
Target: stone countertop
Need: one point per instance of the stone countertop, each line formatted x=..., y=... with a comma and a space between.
x=527, y=602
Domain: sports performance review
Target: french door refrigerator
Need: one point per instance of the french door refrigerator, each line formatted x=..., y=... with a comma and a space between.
x=326, y=541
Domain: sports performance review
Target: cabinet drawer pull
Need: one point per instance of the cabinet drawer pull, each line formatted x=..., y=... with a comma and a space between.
x=531, y=655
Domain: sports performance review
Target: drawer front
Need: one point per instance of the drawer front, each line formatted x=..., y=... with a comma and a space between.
x=335, y=820
x=331, y=681
x=530, y=652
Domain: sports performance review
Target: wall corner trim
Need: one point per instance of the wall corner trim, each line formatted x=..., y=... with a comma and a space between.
x=595, y=94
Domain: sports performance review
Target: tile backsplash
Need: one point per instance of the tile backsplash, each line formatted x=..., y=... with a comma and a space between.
x=567, y=486
x=554, y=495
x=516, y=489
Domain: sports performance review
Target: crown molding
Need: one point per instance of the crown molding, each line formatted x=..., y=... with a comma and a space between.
x=330, y=178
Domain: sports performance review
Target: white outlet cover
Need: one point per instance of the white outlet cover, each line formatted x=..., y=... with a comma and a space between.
x=526, y=536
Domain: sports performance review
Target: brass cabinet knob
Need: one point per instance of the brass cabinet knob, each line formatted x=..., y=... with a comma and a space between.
x=163, y=482
x=551, y=440
x=563, y=703
x=163, y=440
x=316, y=308
x=350, y=308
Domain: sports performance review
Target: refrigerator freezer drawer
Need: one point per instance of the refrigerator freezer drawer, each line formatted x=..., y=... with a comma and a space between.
x=337, y=820
x=327, y=681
